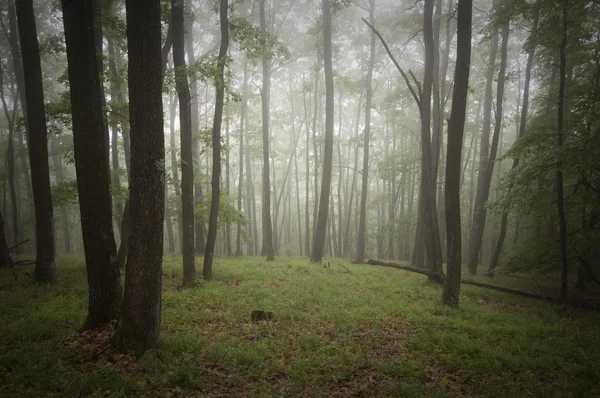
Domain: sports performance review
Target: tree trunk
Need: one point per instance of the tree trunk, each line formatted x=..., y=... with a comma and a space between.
x=139, y=328
x=37, y=142
x=187, y=161
x=319, y=235
x=245, y=94
x=562, y=223
x=362, y=238
x=487, y=170
x=476, y=229
x=5, y=259
x=91, y=163
x=456, y=127
x=520, y=134
x=267, y=246
x=216, y=143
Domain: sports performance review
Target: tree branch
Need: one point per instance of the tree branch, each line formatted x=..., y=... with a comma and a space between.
x=387, y=49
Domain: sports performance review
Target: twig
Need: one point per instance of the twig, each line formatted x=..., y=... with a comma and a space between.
x=345, y=268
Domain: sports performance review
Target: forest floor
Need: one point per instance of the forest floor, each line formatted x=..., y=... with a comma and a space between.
x=344, y=331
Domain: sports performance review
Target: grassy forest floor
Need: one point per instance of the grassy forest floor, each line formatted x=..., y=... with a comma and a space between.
x=348, y=330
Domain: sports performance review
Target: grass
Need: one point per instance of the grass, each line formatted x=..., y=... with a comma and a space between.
x=372, y=331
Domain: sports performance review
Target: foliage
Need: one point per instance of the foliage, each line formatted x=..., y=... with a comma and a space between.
x=369, y=331
x=228, y=212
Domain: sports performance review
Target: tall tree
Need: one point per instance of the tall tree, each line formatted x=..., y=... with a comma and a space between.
x=319, y=235
x=216, y=143
x=139, y=327
x=185, y=125
x=267, y=246
x=362, y=239
x=520, y=134
x=484, y=181
x=245, y=94
x=37, y=139
x=560, y=121
x=456, y=127
x=91, y=163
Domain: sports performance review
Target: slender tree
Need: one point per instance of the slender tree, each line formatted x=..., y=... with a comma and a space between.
x=362, y=239
x=37, y=139
x=318, y=245
x=139, y=327
x=91, y=163
x=216, y=143
x=185, y=124
x=267, y=246
x=456, y=127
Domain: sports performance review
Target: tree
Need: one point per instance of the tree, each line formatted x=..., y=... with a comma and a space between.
x=267, y=246
x=139, y=327
x=362, y=239
x=187, y=161
x=216, y=143
x=318, y=245
x=37, y=139
x=5, y=259
x=90, y=148
x=456, y=127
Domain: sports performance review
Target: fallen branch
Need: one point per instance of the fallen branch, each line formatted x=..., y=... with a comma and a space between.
x=23, y=263
x=521, y=293
x=17, y=245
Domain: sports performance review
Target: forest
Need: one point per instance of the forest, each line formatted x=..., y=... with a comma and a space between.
x=340, y=198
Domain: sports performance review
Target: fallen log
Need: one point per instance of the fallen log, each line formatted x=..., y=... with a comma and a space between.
x=483, y=285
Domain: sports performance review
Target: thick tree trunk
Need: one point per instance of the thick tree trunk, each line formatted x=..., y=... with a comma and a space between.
x=216, y=143
x=139, y=328
x=37, y=142
x=91, y=163
x=456, y=127
x=362, y=238
x=319, y=235
x=187, y=161
x=267, y=246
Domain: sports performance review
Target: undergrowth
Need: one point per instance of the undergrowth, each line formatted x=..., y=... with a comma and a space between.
x=347, y=330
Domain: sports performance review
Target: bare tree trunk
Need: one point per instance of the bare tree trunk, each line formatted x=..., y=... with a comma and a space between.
x=245, y=94
x=216, y=143
x=37, y=142
x=486, y=173
x=562, y=223
x=476, y=229
x=139, y=328
x=267, y=247
x=456, y=127
x=187, y=160
x=319, y=235
x=362, y=238
x=520, y=134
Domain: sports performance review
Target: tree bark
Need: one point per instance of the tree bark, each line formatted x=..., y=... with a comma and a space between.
x=139, y=328
x=91, y=163
x=267, y=246
x=5, y=259
x=477, y=228
x=37, y=142
x=187, y=161
x=216, y=143
x=245, y=94
x=483, y=186
x=562, y=223
x=456, y=127
x=362, y=238
x=319, y=235
x=520, y=134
